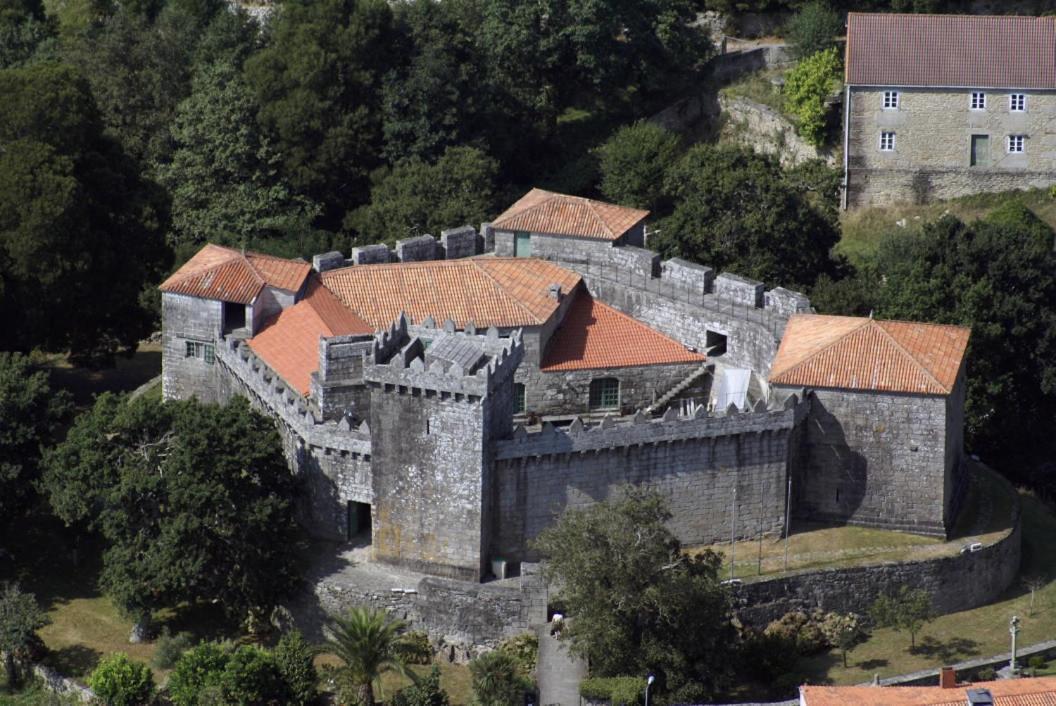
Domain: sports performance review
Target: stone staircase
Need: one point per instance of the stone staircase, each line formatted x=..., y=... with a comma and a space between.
x=662, y=401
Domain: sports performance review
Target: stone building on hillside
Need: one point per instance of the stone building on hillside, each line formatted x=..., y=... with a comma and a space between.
x=450, y=398
x=941, y=106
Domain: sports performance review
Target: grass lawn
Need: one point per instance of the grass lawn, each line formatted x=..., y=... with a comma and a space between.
x=126, y=375
x=454, y=679
x=760, y=88
x=958, y=636
x=864, y=228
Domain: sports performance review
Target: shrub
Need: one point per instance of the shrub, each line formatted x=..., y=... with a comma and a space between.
x=523, y=649
x=252, y=677
x=426, y=692
x=768, y=656
x=119, y=681
x=814, y=28
x=633, y=163
x=1035, y=663
x=496, y=681
x=198, y=670
x=414, y=648
x=986, y=674
x=620, y=691
x=293, y=657
x=807, y=90
x=169, y=648
x=799, y=629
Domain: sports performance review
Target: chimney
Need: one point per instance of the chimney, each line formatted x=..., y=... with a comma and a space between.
x=980, y=697
x=948, y=678
x=555, y=291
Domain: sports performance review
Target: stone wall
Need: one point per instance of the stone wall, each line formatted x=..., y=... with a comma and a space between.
x=957, y=582
x=876, y=459
x=704, y=466
x=766, y=131
x=186, y=319
x=933, y=137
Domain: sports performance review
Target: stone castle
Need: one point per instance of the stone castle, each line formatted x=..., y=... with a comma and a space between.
x=451, y=398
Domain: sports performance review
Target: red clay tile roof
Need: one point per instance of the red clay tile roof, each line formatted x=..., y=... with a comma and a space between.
x=594, y=335
x=217, y=272
x=866, y=354
x=489, y=291
x=965, y=51
x=289, y=343
x=1040, y=691
x=541, y=211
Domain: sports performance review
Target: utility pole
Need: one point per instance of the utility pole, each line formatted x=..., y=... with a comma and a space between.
x=788, y=508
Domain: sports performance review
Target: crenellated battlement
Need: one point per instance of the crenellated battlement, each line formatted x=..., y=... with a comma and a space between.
x=640, y=429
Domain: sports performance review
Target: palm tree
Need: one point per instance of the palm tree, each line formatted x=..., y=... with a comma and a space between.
x=368, y=641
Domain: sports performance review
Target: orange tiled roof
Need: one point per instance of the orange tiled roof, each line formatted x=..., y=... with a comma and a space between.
x=948, y=51
x=1040, y=691
x=217, y=272
x=594, y=335
x=289, y=343
x=541, y=211
x=866, y=354
x=489, y=291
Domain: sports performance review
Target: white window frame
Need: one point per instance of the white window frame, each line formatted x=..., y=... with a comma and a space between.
x=887, y=141
x=1016, y=144
x=1019, y=99
x=978, y=100
x=200, y=350
x=891, y=100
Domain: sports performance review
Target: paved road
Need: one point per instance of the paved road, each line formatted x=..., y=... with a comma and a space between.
x=558, y=673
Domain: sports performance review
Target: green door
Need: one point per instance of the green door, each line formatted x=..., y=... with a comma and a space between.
x=980, y=150
x=522, y=244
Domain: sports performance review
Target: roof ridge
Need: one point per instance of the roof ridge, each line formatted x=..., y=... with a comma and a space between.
x=590, y=203
x=477, y=263
x=819, y=351
x=912, y=357
x=261, y=279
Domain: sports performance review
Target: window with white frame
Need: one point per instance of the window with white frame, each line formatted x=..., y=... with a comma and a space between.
x=1017, y=102
x=978, y=100
x=1016, y=143
x=201, y=351
x=890, y=100
x=887, y=141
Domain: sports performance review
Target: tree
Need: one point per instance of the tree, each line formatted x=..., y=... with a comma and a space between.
x=198, y=670
x=80, y=229
x=415, y=198
x=808, y=88
x=736, y=210
x=120, y=681
x=638, y=602
x=843, y=631
x=20, y=618
x=194, y=502
x=633, y=163
x=31, y=415
x=366, y=641
x=251, y=676
x=908, y=610
x=224, y=174
x=496, y=680
x=318, y=83
x=293, y=657
x=813, y=29
x=426, y=692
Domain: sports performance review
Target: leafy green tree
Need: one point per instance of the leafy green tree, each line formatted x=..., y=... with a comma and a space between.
x=426, y=692
x=736, y=210
x=633, y=163
x=198, y=670
x=906, y=611
x=252, y=677
x=318, y=83
x=496, y=680
x=367, y=642
x=195, y=502
x=843, y=631
x=20, y=618
x=224, y=174
x=120, y=681
x=24, y=27
x=415, y=198
x=80, y=229
x=31, y=414
x=294, y=660
x=638, y=602
x=813, y=29
x=808, y=88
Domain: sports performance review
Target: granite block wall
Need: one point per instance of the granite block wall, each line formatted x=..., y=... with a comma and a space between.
x=933, y=137
x=876, y=459
x=188, y=319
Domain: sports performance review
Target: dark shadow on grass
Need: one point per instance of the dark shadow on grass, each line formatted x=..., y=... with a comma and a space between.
x=75, y=660
x=868, y=664
x=953, y=650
